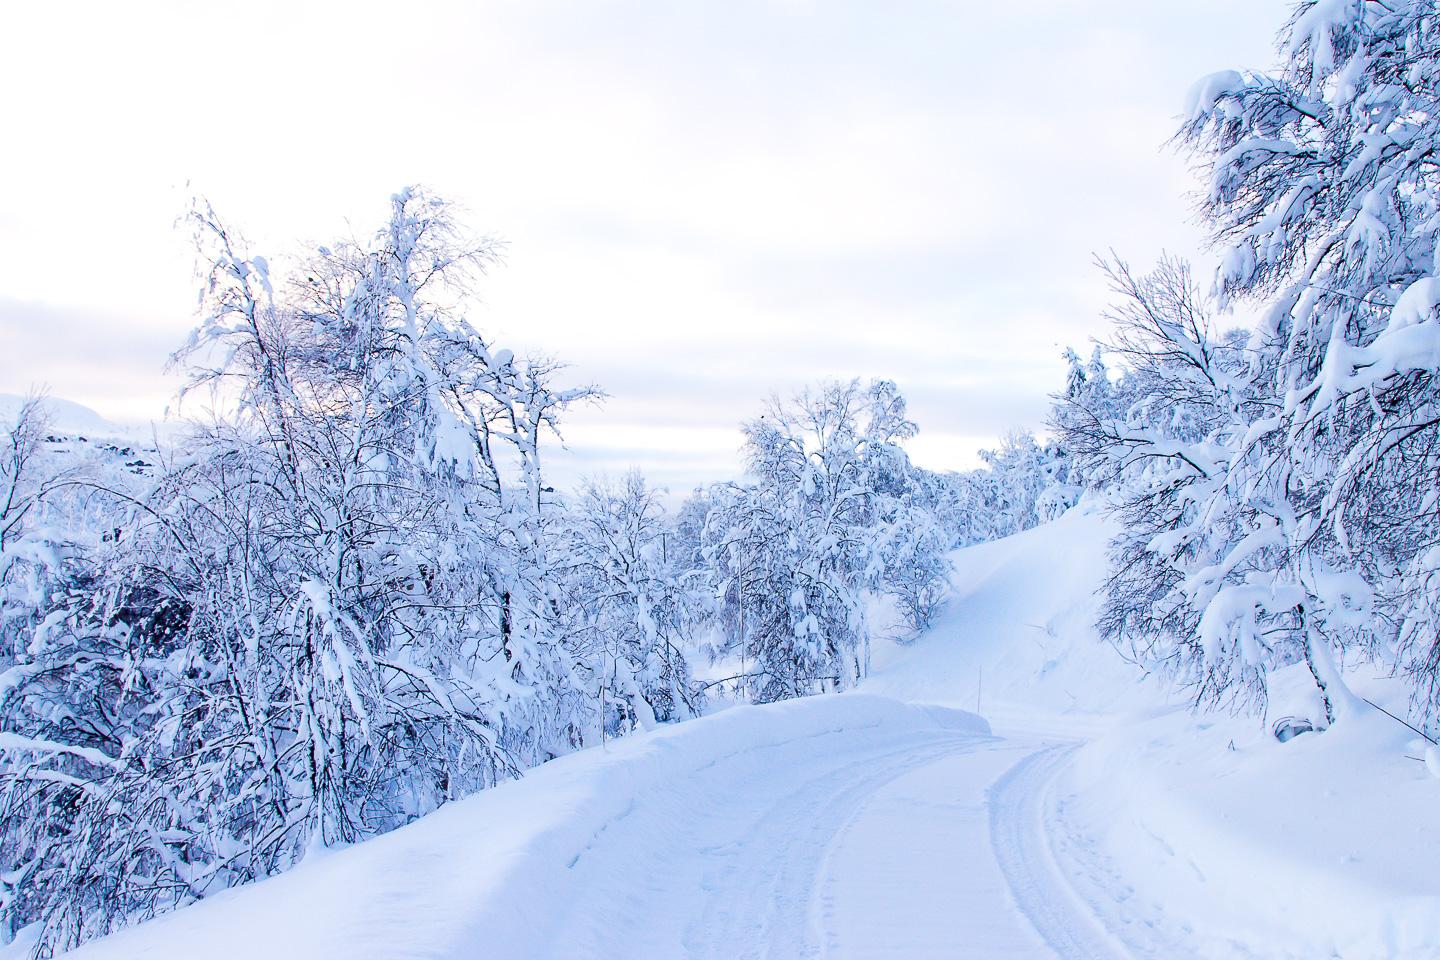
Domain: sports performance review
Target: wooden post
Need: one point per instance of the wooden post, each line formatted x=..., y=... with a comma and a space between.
x=740, y=590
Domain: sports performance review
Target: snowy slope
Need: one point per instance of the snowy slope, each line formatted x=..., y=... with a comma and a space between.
x=1233, y=844
x=78, y=438
x=1016, y=637
x=1186, y=835
x=1096, y=822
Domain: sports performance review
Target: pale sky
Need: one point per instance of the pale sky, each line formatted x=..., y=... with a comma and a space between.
x=702, y=203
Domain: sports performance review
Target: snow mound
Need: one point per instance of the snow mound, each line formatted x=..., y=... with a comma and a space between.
x=1322, y=846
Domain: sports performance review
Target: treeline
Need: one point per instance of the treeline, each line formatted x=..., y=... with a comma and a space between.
x=352, y=594
x=1279, y=486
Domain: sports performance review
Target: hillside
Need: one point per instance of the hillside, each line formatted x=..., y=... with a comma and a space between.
x=63, y=416
x=1093, y=820
x=77, y=437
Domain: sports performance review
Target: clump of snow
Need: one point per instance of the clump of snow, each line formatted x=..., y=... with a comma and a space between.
x=1209, y=90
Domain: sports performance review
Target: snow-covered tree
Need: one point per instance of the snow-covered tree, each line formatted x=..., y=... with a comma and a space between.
x=24, y=550
x=637, y=603
x=19, y=451
x=334, y=610
x=909, y=549
x=1025, y=482
x=796, y=550
x=1090, y=397
x=1028, y=483
x=1323, y=194
x=1167, y=458
x=1210, y=585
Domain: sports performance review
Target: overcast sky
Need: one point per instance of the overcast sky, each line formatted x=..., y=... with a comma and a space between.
x=702, y=203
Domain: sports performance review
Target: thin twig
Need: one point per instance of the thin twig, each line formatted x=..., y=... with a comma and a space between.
x=1398, y=720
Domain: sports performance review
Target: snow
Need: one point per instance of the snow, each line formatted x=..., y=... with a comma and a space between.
x=1209, y=90
x=1321, y=846
x=1410, y=341
x=1016, y=636
x=1097, y=820
x=1182, y=846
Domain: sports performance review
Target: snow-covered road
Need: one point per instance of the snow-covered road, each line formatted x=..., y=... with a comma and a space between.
x=908, y=845
x=1022, y=821
x=846, y=826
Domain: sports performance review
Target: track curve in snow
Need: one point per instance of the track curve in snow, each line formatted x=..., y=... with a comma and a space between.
x=1019, y=829
x=917, y=844
x=844, y=827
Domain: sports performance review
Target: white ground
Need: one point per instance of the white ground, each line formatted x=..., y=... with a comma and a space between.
x=1094, y=822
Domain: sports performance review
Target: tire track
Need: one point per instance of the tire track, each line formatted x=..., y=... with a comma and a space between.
x=1018, y=832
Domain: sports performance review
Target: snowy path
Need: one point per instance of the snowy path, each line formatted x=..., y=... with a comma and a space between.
x=888, y=850
x=836, y=827
x=848, y=826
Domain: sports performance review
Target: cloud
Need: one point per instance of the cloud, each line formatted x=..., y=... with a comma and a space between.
x=107, y=361
x=703, y=202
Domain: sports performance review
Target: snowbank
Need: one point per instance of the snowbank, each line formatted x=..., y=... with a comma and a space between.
x=1323, y=846
x=485, y=876
x=1189, y=834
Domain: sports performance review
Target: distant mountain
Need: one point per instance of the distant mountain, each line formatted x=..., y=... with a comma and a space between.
x=76, y=436
x=65, y=416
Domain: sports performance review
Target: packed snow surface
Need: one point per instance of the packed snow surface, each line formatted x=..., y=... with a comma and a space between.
x=1092, y=821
